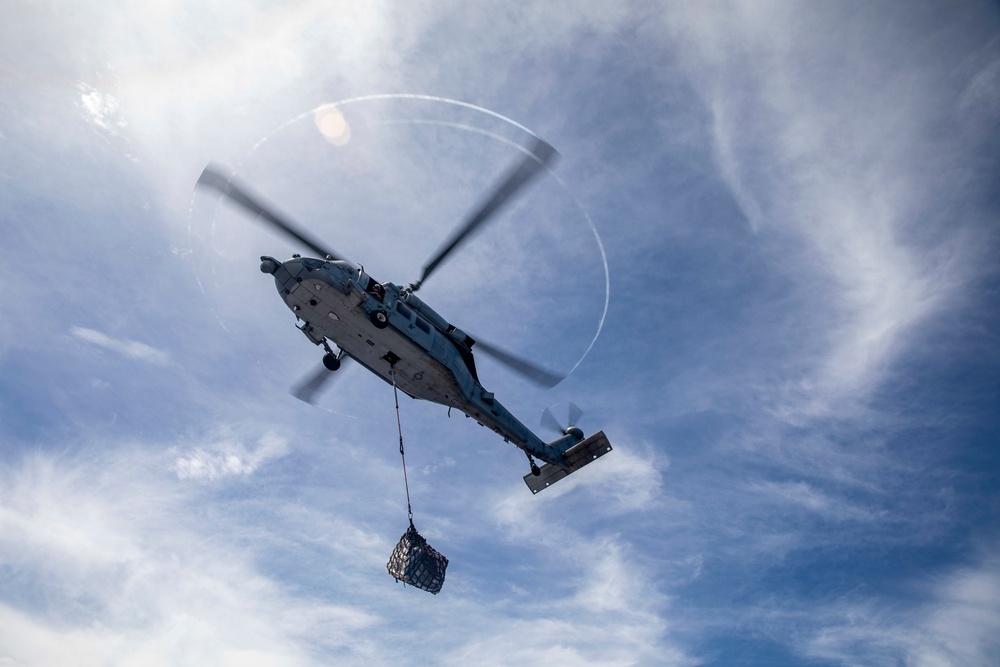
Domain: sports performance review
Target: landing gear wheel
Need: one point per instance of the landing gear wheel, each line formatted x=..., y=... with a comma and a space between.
x=535, y=470
x=379, y=319
x=331, y=361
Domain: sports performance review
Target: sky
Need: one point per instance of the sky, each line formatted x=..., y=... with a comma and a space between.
x=779, y=220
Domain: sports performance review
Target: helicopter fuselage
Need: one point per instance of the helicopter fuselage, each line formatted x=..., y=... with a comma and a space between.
x=391, y=332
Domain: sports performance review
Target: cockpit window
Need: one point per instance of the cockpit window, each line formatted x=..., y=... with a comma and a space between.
x=312, y=264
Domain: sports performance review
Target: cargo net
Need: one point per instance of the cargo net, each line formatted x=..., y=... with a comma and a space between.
x=416, y=563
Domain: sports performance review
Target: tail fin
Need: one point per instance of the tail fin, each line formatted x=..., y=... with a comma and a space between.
x=577, y=456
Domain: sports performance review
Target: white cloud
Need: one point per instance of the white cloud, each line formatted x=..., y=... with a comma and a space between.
x=805, y=496
x=101, y=109
x=588, y=599
x=980, y=101
x=228, y=458
x=597, y=606
x=962, y=625
x=129, y=349
x=122, y=560
x=827, y=146
x=626, y=480
x=958, y=625
x=113, y=559
x=105, y=563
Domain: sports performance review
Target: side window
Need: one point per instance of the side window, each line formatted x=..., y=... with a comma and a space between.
x=423, y=326
x=375, y=289
x=403, y=310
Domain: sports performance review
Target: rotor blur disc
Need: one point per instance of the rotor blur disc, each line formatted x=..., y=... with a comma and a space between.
x=334, y=127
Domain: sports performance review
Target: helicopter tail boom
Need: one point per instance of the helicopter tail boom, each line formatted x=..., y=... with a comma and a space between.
x=577, y=457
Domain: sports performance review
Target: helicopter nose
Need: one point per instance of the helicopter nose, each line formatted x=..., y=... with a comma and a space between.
x=269, y=265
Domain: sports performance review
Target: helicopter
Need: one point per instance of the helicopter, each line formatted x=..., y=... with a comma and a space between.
x=390, y=331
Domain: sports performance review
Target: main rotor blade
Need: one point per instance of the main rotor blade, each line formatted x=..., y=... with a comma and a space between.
x=539, y=155
x=533, y=372
x=310, y=386
x=212, y=178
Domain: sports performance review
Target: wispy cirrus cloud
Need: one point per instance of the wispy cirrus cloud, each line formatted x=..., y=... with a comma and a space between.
x=609, y=606
x=228, y=458
x=130, y=349
x=827, y=160
x=800, y=495
x=146, y=569
x=786, y=495
x=101, y=109
x=956, y=623
x=135, y=576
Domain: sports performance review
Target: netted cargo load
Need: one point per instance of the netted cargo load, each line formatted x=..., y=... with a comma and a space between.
x=416, y=563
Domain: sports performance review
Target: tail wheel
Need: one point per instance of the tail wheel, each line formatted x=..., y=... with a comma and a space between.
x=380, y=319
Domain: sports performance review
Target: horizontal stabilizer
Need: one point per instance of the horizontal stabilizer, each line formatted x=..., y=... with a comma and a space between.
x=577, y=456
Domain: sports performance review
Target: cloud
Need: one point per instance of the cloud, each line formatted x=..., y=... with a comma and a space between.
x=962, y=624
x=228, y=458
x=584, y=596
x=595, y=605
x=783, y=496
x=111, y=557
x=109, y=562
x=101, y=109
x=957, y=625
x=129, y=349
x=628, y=479
x=825, y=149
x=806, y=497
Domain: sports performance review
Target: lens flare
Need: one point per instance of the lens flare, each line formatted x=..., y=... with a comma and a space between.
x=333, y=126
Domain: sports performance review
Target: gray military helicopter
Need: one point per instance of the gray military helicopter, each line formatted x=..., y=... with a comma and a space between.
x=387, y=329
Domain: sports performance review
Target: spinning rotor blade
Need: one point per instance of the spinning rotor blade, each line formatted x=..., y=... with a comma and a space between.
x=312, y=385
x=539, y=155
x=533, y=372
x=550, y=422
x=575, y=414
x=212, y=178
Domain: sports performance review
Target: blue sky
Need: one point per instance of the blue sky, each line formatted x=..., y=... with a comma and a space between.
x=798, y=366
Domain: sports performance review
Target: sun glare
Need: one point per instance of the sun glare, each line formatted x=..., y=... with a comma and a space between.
x=333, y=126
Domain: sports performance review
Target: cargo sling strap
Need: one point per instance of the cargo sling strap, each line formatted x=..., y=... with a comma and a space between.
x=413, y=561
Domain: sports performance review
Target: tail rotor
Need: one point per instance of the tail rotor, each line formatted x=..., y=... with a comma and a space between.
x=573, y=416
x=577, y=451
